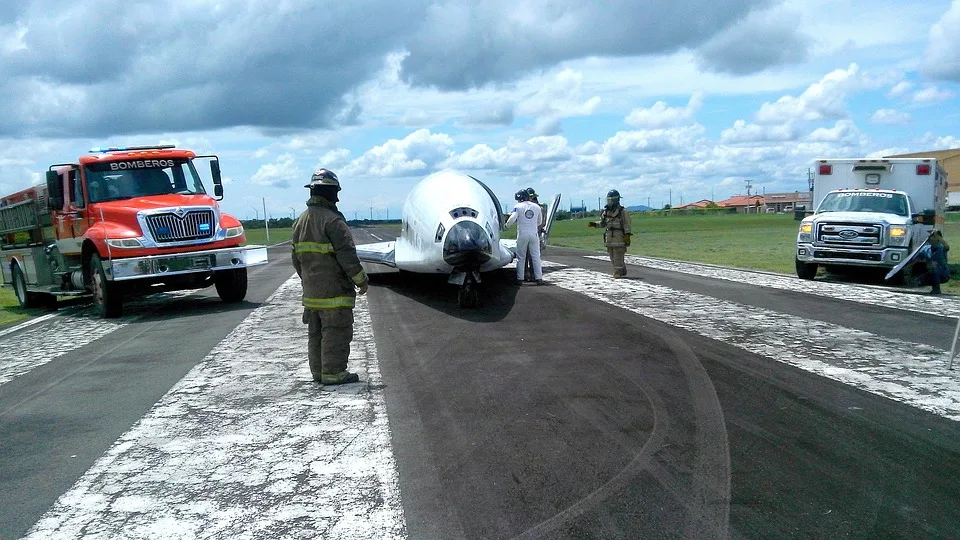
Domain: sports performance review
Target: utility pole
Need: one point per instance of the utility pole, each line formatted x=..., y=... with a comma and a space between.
x=648, y=201
x=266, y=224
x=293, y=213
x=671, y=197
x=371, y=212
x=256, y=213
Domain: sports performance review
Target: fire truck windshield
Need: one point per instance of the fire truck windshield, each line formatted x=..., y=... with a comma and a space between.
x=865, y=201
x=116, y=180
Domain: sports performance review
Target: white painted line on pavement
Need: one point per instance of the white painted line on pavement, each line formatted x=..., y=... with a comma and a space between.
x=26, y=347
x=377, y=237
x=946, y=306
x=246, y=445
x=911, y=373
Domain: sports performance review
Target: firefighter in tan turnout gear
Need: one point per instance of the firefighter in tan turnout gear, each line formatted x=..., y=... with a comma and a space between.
x=615, y=222
x=325, y=258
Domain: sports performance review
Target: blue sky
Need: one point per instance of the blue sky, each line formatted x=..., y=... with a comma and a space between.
x=687, y=97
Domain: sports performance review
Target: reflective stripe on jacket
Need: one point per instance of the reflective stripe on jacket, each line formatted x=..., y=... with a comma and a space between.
x=325, y=257
x=616, y=224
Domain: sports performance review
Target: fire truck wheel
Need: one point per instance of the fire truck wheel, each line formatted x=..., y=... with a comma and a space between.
x=231, y=284
x=26, y=299
x=107, y=297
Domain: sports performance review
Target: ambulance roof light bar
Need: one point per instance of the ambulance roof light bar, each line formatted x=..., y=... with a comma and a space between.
x=101, y=150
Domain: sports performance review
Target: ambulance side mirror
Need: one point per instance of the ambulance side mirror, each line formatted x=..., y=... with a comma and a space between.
x=927, y=217
x=54, y=191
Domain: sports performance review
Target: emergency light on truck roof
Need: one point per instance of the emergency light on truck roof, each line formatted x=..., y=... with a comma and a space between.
x=101, y=150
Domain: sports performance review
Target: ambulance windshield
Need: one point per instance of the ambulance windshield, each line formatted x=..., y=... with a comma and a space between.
x=865, y=201
x=117, y=180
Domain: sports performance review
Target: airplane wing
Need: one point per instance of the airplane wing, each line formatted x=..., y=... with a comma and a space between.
x=378, y=252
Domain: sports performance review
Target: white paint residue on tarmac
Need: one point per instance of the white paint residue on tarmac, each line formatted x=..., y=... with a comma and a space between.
x=543, y=264
x=248, y=446
x=911, y=373
x=865, y=294
x=33, y=345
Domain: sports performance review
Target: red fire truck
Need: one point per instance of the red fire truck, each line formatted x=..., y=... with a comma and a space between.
x=123, y=221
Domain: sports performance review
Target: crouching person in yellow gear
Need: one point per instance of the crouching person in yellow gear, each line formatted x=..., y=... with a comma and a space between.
x=325, y=258
x=615, y=222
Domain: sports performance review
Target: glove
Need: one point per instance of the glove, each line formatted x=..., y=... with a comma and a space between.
x=626, y=240
x=362, y=289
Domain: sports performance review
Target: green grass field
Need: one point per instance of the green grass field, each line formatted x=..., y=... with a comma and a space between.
x=752, y=242
x=10, y=311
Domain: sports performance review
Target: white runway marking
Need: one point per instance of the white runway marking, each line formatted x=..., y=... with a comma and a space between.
x=911, y=373
x=246, y=445
x=377, y=237
x=865, y=294
x=27, y=346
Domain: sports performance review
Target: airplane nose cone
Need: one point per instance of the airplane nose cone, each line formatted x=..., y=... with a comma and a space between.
x=466, y=245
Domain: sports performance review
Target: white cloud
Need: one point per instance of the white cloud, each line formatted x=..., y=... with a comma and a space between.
x=280, y=173
x=662, y=115
x=821, y=100
x=942, y=57
x=932, y=94
x=742, y=132
x=929, y=141
x=415, y=154
x=561, y=97
x=844, y=131
x=900, y=89
x=890, y=117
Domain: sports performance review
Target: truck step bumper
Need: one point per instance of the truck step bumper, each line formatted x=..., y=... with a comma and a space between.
x=889, y=257
x=185, y=263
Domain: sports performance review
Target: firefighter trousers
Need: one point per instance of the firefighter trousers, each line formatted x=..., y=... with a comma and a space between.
x=329, y=332
x=616, y=257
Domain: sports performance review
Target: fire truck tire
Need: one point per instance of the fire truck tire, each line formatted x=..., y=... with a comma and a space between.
x=26, y=299
x=107, y=296
x=806, y=270
x=231, y=284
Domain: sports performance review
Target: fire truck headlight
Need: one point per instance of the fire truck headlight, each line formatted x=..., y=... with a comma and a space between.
x=806, y=228
x=233, y=232
x=125, y=243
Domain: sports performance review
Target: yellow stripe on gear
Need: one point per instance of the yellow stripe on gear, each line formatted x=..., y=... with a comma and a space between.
x=312, y=247
x=360, y=278
x=329, y=303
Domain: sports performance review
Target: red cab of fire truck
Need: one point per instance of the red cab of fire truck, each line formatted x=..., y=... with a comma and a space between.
x=123, y=221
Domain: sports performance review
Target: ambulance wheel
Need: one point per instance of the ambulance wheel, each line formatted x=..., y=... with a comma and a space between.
x=26, y=299
x=806, y=270
x=231, y=285
x=107, y=296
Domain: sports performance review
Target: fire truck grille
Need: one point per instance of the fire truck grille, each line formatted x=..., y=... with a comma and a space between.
x=169, y=227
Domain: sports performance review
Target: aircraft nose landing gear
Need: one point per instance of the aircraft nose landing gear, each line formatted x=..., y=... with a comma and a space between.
x=468, y=296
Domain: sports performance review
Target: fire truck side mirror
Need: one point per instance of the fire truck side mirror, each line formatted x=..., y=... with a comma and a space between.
x=54, y=191
x=217, y=181
x=927, y=217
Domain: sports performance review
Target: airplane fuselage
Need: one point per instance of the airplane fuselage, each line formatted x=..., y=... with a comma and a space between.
x=450, y=223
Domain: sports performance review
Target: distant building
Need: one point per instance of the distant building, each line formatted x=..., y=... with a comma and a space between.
x=745, y=204
x=785, y=202
x=702, y=203
x=950, y=160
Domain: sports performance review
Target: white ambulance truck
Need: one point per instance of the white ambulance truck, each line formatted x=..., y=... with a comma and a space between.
x=870, y=213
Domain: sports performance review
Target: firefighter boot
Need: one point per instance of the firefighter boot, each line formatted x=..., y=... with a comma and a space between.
x=344, y=377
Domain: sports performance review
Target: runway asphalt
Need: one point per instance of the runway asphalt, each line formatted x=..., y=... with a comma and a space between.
x=685, y=402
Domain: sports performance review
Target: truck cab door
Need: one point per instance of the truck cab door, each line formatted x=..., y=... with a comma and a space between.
x=72, y=219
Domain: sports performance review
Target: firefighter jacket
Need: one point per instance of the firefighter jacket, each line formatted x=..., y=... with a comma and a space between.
x=616, y=225
x=325, y=257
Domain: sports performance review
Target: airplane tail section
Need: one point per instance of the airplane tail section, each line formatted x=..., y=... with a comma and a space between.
x=551, y=215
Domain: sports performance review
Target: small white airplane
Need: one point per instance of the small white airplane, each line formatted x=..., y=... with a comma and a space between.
x=451, y=225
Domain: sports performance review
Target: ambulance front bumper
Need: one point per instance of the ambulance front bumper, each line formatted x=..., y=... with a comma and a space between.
x=184, y=263
x=887, y=257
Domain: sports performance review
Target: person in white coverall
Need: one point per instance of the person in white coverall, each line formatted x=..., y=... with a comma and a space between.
x=527, y=216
